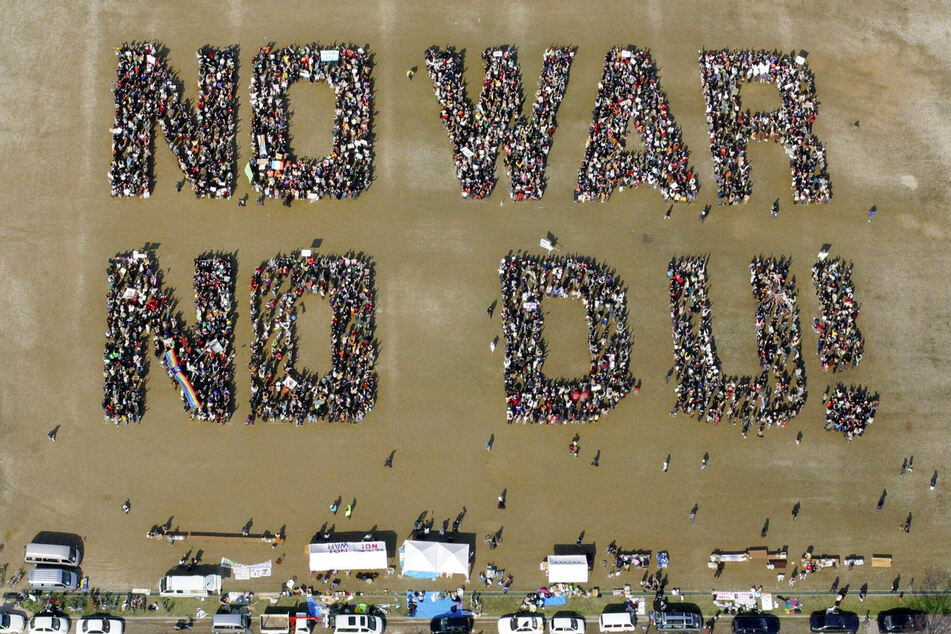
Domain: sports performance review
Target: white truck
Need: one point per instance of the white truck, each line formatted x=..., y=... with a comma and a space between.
x=283, y=623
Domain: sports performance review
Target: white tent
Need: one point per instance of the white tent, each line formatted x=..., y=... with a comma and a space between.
x=347, y=556
x=421, y=559
x=567, y=569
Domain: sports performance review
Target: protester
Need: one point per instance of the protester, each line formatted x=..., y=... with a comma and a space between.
x=530, y=395
x=137, y=305
x=476, y=134
x=731, y=128
x=840, y=342
x=348, y=391
x=347, y=171
x=147, y=91
x=850, y=410
x=702, y=390
x=630, y=89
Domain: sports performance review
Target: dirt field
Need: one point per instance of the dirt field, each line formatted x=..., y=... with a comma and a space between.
x=441, y=392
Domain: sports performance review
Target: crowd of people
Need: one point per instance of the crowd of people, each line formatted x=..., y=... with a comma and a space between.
x=849, y=410
x=348, y=391
x=348, y=170
x=731, y=128
x=138, y=306
x=630, y=88
x=531, y=397
x=204, y=142
x=840, y=342
x=702, y=390
x=476, y=134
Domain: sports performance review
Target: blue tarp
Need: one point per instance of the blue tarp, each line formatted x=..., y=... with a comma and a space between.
x=553, y=600
x=312, y=609
x=427, y=608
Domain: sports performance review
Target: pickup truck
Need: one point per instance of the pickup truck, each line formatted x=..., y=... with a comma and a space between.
x=283, y=623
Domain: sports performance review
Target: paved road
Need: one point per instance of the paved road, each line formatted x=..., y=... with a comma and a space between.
x=402, y=625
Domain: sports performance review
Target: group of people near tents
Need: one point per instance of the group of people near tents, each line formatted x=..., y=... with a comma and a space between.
x=476, y=133
x=630, y=94
x=773, y=397
x=146, y=91
x=279, y=391
x=531, y=396
x=347, y=171
x=849, y=410
x=625, y=559
x=840, y=342
x=199, y=362
x=731, y=128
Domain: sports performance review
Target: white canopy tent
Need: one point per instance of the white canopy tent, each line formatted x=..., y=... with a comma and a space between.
x=347, y=556
x=567, y=569
x=430, y=559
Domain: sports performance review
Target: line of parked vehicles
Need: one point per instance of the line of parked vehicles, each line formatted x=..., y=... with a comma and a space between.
x=830, y=621
x=56, y=570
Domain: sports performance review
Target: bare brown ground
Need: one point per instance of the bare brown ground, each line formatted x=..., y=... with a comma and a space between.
x=441, y=389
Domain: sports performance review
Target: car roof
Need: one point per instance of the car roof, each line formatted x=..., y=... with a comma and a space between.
x=763, y=622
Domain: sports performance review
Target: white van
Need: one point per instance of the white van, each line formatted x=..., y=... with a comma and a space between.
x=190, y=586
x=231, y=624
x=53, y=579
x=617, y=622
x=51, y=554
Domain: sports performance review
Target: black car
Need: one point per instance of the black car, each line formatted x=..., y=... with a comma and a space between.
x=755, y=624
x=901, y=621
x=461, y=624
x=834, y=621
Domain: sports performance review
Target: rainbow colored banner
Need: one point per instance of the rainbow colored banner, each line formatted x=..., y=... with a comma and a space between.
x=175, y=371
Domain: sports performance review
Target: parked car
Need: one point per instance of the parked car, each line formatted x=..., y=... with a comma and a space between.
x=617, y=621
x=833, y=620
x=522, y=623
x=357, y=624
x=99, y=625
x=673, y=620
x=461, y=624
x=755, y=624
x=900, y=620
x=12, y=623
x=49, y=624
x=566, y=624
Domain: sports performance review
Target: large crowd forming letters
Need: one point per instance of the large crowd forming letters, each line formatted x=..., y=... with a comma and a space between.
x=147, y=91
x=779, y=392
x=349, y=168
x=200, y=361
x=531, y=397
x=281, y=391
x=203, y=140
x=630, y=89
x=840, y=341
x=732, y=128
x=476, y=133
x=137, y=305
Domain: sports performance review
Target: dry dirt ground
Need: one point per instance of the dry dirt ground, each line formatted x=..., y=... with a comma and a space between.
x=883, y=63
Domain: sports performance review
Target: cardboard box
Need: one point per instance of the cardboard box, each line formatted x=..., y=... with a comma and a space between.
x=758, y=552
